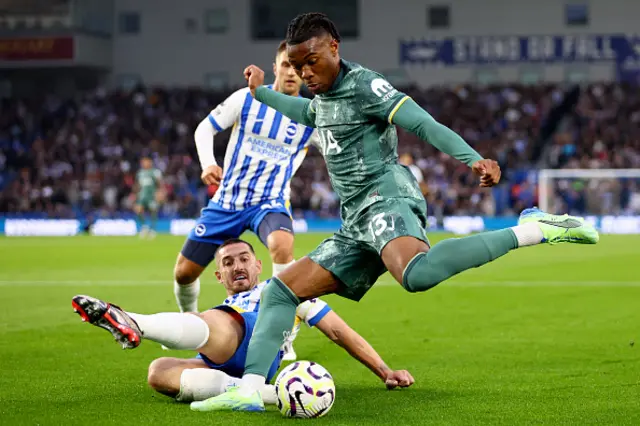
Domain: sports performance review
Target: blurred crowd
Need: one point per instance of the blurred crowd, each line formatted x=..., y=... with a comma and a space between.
x=78, y=157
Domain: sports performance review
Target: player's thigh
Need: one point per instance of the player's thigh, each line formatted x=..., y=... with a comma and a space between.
x=396, y=230
x=192, y=260
x=164, y=373
x=307, y=279
x=276, y=232
x=233, y=365
x=397, y=254
x=226, y=333
x=354, y=265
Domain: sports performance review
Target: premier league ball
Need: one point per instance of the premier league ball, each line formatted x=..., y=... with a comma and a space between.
x=305, y=389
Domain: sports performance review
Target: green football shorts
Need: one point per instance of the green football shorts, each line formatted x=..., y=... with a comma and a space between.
x=353, y=254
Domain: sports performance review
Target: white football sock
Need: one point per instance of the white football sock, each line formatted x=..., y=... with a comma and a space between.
x=173, y=329
x=187, y=295
x=251, y=383
x=268, y=394
x=279, y=267
x=528, y=234
x=198, y=384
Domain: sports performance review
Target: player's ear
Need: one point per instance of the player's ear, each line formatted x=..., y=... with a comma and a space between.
x=259, y=266
x=218, y=276
x=274, y=69
x=333, y=46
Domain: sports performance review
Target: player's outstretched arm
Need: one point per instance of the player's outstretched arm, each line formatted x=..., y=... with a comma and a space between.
x=297, y=109
x=410, y=116
x=339, y=332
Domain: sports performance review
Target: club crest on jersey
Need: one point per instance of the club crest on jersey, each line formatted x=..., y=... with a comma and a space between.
x=292, y=130
x=383, y=89
x=200, y=230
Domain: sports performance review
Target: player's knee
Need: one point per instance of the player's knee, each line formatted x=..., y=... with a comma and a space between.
x=158, y=374
x=281, y=254
x=281, y=247
x=421, y=276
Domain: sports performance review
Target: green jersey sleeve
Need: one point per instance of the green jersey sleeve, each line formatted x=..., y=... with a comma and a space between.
x=293, y=107
x=377, y=97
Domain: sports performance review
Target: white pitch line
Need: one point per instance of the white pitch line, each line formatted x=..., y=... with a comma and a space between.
x=116, y=283
x=82, y=282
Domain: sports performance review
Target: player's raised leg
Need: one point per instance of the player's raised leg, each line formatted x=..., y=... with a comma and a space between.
x=305, y=279
x=419, y=268
x=172, y=329
x=213, y=333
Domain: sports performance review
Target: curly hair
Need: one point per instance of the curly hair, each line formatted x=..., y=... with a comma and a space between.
x=309, y=25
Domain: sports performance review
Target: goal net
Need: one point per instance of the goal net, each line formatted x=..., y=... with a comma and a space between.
x=610, y=198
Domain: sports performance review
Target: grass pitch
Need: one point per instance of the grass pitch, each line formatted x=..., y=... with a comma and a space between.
x=544, y=335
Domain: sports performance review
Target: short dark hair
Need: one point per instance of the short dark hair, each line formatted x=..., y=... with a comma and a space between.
x=309, y=25
x=231, y=241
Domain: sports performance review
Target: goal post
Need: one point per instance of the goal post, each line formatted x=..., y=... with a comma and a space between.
x=548, y=178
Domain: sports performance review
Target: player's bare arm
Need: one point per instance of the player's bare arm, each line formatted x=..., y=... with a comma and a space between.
x=336, y=329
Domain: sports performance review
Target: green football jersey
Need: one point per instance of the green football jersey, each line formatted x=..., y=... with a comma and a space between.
x=358, y=141
x=148, y=180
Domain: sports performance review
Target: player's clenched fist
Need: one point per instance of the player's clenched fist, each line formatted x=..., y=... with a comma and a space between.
x=399, y=378
x=255, y=77
x=212, y=175
x=489, y=172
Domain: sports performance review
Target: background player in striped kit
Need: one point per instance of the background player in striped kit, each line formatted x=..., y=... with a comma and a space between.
x=264, y=151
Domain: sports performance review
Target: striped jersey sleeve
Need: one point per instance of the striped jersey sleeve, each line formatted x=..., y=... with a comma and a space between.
x=227, y=113
x=312, y=311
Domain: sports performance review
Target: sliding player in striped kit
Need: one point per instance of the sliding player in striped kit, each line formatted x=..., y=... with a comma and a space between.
x=265, y=150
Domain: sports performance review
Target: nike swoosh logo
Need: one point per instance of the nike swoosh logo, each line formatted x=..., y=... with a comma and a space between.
x=567, y=223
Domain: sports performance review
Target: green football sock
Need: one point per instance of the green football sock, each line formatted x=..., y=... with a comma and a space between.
x=140, y=220
x=275, y=318
x=154, y=219
x=450, y=257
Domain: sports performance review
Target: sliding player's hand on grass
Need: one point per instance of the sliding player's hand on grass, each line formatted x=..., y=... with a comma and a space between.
x=489, y=172
x=212, y=175
x=399, y=378
x=255, y=77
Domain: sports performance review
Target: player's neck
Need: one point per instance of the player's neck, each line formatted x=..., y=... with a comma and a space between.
x=337, y=76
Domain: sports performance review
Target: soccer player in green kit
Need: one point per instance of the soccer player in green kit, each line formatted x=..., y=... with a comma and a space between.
x=383, y=212
x=148, y=180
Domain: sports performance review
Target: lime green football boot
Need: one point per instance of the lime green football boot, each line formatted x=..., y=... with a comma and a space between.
x=561, y=228
x=231, y=400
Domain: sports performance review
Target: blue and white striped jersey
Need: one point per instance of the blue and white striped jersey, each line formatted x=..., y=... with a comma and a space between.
x=264, y=151
x=310, y=311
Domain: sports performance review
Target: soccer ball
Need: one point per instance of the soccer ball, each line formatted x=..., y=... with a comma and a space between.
x=305, y=389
